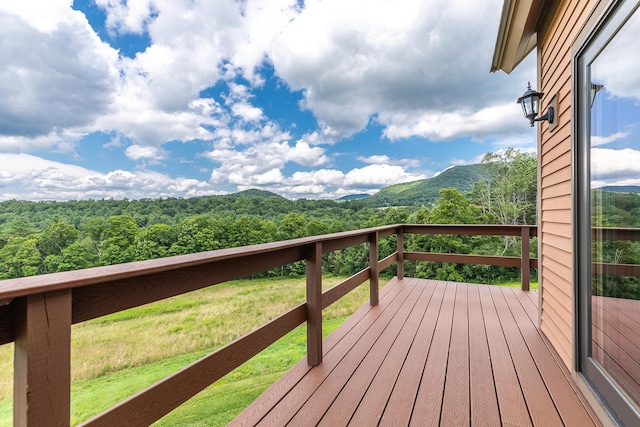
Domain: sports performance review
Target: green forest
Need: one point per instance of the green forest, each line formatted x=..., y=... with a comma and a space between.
x=46, y=237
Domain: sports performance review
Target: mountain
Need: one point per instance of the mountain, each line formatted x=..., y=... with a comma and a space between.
x=253, y=192
x=427, y=191
x=354, y=197
x=621, y=188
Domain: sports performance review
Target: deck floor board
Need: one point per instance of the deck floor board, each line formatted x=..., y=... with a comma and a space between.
x=432, y=353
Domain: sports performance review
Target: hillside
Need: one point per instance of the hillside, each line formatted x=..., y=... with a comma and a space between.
x=621, y=188
x=256, y=203
x=253, y=192
x=427, y=191
x=353, y=197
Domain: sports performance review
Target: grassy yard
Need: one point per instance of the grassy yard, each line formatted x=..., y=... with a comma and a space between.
x=116, y=356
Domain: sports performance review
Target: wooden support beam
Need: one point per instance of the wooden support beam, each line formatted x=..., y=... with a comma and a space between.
x=400, y=252
x=524, y=255
x=42, y=360
x=374, y=281
x=314, y=304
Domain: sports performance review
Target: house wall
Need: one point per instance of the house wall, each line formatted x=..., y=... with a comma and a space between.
x=556, y=40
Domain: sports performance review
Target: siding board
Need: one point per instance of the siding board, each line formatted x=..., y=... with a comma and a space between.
x=562, y=175
x=556, y=190
x=558, y=163
x=561, y=319
x=556, y=217
x=561, y=270
x=549, y=329
x=556, y=228
x=563, y=147
x=560, y=202
x=561, y=256
x=559, y=242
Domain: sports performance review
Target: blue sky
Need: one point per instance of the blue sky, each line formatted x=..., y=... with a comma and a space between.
x=308, y=99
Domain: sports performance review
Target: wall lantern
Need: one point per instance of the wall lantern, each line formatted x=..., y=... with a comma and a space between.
x=530, y=102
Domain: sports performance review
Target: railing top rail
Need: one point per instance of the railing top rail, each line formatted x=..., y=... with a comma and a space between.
x=471, y=229
x=616, y=233
x=14, y=288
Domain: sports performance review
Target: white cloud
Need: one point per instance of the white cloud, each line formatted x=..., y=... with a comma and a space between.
x=616, y=68
x=596, y=141
x=53, y=77
x=407, y=64
x=257, y=163
x=386, y=160
x=35, y=178
x=127, y=16
x=495, y=120
x=352, y=61
x=138, y=152
x=614, y=166
x=305, y=155
x=323, y=177
x=247, y=112
x=43, y=15
x=377, y=176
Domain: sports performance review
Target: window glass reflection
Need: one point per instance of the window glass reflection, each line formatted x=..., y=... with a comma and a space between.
x=615, y=208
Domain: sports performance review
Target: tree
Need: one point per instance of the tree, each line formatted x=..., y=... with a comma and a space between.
x=20, y=226
x=56, y=237
x=94, y=228
x=74, y=257
x=451, y=208
x=509, y=193
x=154, y=241
x=19, y=258
x=293, y=226
x=196, y=234
x=120, y=236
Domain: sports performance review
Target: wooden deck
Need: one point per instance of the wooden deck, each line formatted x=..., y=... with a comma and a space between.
x=432, y=353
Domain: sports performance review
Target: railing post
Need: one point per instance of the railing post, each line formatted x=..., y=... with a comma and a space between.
x=525, y=265
x=400, y=252
x=373, y=269
x=42, y=360
x=314, y=305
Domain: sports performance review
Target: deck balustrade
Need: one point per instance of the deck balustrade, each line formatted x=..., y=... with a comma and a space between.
x=37, y=312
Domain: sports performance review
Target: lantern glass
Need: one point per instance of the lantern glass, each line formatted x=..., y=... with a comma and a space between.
x=530, y=103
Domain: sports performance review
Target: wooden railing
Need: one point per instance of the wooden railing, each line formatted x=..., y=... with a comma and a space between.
x=37, y=312
x=616, y=234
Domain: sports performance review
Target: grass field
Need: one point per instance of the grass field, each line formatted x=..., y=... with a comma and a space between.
x=116, y=356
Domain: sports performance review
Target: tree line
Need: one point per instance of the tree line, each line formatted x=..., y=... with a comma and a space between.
x=618, y=210
x=46, y=237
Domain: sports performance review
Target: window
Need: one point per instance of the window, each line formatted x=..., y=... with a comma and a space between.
x=607, y=255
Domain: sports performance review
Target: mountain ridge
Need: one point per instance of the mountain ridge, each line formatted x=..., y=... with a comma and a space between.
x=427, y=191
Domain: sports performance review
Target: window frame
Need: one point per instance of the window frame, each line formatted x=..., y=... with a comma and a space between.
x=615, y=15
